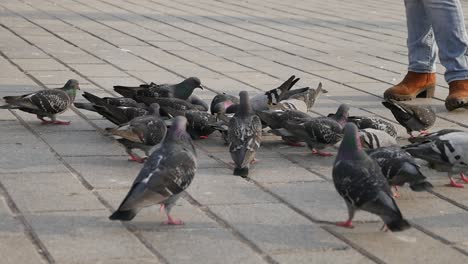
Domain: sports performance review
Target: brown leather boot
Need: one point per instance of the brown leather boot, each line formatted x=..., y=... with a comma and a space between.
x=458, y=95
x=413, y=85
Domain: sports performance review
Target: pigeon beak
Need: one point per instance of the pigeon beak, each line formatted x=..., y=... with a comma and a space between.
x=201, y=87
x=78, y=87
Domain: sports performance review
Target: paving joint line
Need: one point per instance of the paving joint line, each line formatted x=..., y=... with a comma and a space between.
x=27, y=228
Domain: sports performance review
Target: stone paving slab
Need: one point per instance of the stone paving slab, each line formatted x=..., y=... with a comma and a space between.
x=58, y=184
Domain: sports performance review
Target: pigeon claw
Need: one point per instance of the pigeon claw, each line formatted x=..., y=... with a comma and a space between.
x=171, y=221
x=347, y=224
x=395, y=192
x=58, y=122
x=455, y=184
x=321, y=153
x=463, y=177
x=136, y=159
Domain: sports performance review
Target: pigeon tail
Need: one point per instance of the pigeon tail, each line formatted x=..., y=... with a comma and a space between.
x=93, y=98
x=421, y=186
x=243, y=172
x=398, y=225
x=85, y=106
x=123, y=215
x=7, y=106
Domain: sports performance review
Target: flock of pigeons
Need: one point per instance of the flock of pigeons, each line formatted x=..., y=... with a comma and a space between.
x=161, y=120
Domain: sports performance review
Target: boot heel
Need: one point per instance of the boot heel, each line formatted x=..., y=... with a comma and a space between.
x=428, y=92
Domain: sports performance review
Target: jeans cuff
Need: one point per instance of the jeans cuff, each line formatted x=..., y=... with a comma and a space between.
x=456, y=76
x=421, y=70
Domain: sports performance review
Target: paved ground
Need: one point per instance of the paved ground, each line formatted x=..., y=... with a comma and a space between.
x=58, y=184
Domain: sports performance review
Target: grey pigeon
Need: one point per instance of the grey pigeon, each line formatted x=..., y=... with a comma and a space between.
x=142, y=132
x=45, y=103
x=359, y=180
x=198, y=123
x=399, y=167
x=244, y=134
x=412, y=117
x=170, y=107
x=182, y=90
x=221, y=102
x=433, y=135
x=115, y=114
x=277, y=119
x=294, y=98
x=320, y=132
x=447, y=152
x=363, y=122
x=374, y=138
x=118, y=110
x=260, y=102
x=167, y=172
x=115, y=101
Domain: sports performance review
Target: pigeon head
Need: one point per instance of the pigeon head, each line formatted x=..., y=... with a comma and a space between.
x=154, y=109
x=178, y=132
x=220, y=108
x=342, y=114
x=244, y=106
x=72, y=84
x=70, y=88
x=184, y=89
x=350, y=148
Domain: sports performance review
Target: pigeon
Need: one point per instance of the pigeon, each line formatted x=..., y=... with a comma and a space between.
x=412, y=117
x=363, y=122
x=399, y=167
x=433, y=135
x=308, y=96
x=359, y=180
x=115, y=101
x=142, y=132
x=244, y=135
x=260, y=102
x=221, y=102
x=45, y=103
x=276, y=119
x=170, y=107
x=168, y=171
x=182, y=90
x=320, y=132
x=446, y=151
x=115, y=114
x=373, y=138
x=118, y=110
x=198, y=123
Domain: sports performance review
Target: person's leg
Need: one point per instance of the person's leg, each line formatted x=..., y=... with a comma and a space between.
x=448, y=23
x=420, y=80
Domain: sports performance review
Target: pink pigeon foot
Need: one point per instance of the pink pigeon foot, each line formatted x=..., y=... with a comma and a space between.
x=203, y=137
x=395, y=193
x=254, y=161
x=455, y=184
x=423, y=133
x=347, y=224
x=384, y=228
x=321, y=153
x=171, y=221
x=463, y=177
x=136, y=158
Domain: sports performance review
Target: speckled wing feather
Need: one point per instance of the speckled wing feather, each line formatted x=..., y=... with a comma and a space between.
x=374, y=138
x=149, y=90
x=44, y=102
x=244, y=137
x=322, y=132
x=412, y=117
x=363, y=122
x=170, y=106
x=199, y=123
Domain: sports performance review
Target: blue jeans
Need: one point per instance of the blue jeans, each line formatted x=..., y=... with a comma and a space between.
x=432, y=25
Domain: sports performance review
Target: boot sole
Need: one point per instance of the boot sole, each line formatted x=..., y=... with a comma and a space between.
x=456, y=103
x=426, y=92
